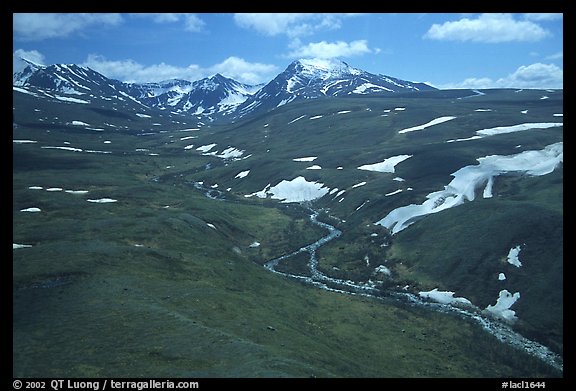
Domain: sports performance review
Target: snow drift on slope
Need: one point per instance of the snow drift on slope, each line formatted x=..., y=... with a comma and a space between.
x=469, y=178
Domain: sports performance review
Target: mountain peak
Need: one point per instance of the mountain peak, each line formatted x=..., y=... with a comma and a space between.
x=324, y=68
x=218, y=76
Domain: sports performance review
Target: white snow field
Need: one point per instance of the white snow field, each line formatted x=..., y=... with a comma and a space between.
x=295, y=190
x=469, y=178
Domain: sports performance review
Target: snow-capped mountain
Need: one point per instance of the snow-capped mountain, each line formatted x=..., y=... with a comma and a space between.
x=213, y=96
x=70, y=82
x=160, y=93
x=216, y=97
x=65, y=78
x=314, y=78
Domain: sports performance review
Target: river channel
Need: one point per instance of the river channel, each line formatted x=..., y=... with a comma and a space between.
x=501, y=331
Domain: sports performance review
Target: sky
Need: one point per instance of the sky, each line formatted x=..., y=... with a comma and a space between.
x=445, y=50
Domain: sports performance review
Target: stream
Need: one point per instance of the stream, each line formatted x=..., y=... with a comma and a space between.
x=502, y=332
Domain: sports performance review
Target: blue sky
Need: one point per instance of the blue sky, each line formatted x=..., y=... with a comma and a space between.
x=445, y=50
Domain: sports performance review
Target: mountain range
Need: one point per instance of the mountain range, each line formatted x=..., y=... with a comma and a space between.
x=216, y=98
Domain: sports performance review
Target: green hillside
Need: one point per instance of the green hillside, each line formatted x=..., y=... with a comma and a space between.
x=168, y=282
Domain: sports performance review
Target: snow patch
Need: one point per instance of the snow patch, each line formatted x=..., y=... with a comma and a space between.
x=435, y=121
x=518, y=128
x=306, y=159
x=502, y=307
x=296, y=119
x=359, y=184
x=16, y=246
x=32, y=210
x=444, y=297
x=242, y=174
x=467, y=179
x=64, y=148
x=230, y=153
x=392, y=193
x=205, y=148
x=463, y=139
x=80, y=123
x=102, y=200
x=295, y=190
x=387, y=165
x=361, y=89
x=381, y=269
x=513, y=256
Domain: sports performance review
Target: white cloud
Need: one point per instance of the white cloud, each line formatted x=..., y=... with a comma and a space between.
x=555, y=56
x=244, y=71
x=292, y=25
x=191, y=21
x=40, y=26
x=325, y=49
x=538, y=76
x=31, y=55
x=133, y=72
x=488, y=28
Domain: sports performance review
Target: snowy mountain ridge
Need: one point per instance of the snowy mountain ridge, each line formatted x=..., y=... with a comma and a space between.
x=217, y=97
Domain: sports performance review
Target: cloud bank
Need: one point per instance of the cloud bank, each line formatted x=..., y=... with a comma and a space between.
x=133, y=72
x=41, y=26
x=538, y=76
x=489, y=28
x=325, y=49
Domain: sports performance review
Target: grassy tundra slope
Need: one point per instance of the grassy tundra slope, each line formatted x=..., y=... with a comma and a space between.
x=128, y=269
